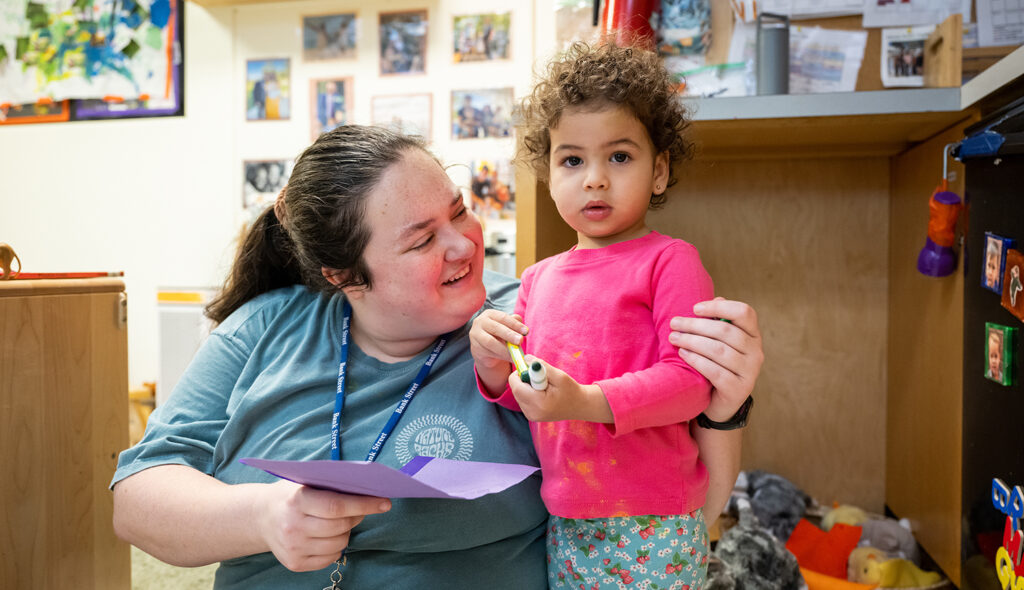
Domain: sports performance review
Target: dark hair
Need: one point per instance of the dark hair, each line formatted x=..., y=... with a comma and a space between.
x=323, y=219
x=593, y=76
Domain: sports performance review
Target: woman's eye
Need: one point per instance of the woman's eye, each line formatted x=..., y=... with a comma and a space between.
x=620, y=157
x=424, y=243
x=460, y=213
x=572, y=161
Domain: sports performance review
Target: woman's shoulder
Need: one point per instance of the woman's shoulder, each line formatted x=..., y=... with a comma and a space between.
x=501, y=291
x=264, y=309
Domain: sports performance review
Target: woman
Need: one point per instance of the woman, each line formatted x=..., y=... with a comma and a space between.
x=369, y=220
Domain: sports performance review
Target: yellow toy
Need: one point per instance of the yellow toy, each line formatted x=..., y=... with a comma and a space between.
x=845, y=514
x=868, y=565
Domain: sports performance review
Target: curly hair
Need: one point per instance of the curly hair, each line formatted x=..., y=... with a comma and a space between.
x=587, y=76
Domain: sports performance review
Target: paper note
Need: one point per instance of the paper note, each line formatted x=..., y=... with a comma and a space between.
x=422, y=477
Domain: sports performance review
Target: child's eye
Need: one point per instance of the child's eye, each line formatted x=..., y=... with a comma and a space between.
x=620, y=157
x=572, y=161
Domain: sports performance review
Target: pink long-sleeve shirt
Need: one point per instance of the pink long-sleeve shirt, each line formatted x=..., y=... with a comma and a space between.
x=602, y=315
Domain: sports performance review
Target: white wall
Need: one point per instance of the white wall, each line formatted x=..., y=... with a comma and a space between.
x=161, y=198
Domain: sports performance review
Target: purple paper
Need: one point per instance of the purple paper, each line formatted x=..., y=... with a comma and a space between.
x=422, y=477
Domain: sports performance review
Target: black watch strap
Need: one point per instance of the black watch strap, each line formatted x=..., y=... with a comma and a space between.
x=738, y=420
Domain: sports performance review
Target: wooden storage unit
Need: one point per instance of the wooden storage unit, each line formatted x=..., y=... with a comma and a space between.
x=813, y=209
x=63, y=420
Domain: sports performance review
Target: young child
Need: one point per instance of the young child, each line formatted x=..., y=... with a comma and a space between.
x=622, y=477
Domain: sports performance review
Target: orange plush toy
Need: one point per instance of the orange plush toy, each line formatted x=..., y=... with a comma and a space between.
x=823, y=552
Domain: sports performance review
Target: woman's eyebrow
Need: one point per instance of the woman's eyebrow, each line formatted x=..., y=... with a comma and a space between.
x=420, y=225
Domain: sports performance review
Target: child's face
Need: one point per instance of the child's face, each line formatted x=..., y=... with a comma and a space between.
x=995, y=355
x=992, y=269
x=603, y=172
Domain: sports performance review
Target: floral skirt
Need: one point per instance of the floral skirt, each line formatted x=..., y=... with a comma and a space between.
x=641, y=552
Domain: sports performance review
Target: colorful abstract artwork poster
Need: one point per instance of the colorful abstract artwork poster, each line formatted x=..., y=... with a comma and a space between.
x=113, y=50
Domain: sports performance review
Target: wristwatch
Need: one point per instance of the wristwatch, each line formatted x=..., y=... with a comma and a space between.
x=738, y=420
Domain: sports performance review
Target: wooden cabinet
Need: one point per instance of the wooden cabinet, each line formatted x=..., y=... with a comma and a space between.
x=63, y=420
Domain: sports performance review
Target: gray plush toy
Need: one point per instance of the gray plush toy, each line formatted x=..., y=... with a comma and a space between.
x=778, y=504
x=749, y=557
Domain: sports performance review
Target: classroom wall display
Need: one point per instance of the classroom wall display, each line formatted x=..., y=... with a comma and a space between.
x=408, y=113
x=45, y=112
x=903, y=55
x=268, y=89
x=263, y=180
x=482, y=113
x=331, y=103
x=1000, y=343
x=995, y=261
x=329, y=36
x=1013, y=283
x=481, y=37
x=57, y=50
x=403, y=42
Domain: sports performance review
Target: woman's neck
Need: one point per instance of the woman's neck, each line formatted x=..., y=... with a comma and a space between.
x=384, y=348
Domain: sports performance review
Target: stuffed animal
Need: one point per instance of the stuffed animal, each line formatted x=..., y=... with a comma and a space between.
x=869, y=565
x=893, y=537
x=844, y=513
x=777, y=503
x=749, y=557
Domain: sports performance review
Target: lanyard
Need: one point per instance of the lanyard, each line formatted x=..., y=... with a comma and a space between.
x=339, y=399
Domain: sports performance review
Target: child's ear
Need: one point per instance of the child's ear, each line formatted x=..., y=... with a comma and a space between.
x=661, y=172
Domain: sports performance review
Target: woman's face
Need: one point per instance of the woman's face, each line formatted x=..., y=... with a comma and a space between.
x=425, y=254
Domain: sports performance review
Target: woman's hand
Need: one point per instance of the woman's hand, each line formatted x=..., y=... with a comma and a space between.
x=729, y=355
x=487, y=337
x=307, y=529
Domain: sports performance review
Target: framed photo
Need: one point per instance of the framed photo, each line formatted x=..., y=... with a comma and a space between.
x=995, y=261
x=329, y=36
x=263, y=180
x=999, y=347
x=481, y=37
x=268, y=89
x=331, y=100
x=403, y=42
x=45, y=112
x=408, y=113
x=482, y=113
x=903, y=55
x=492, y=189
x=1013, y=284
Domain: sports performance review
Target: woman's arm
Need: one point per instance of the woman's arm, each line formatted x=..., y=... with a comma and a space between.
x=187, y=518
x=730, y=356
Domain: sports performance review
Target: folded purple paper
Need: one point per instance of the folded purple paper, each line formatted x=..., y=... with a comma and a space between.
x=422, y=477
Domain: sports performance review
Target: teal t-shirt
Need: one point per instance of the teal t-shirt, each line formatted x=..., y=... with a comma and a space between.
x=263, y=385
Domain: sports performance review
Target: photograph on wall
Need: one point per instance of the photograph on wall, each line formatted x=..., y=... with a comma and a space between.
x=995, y=261
x=267, y=89
x=685, y=27
x=903, y=55
x=331, y=104
x=492, y=188
x=481, y=37
x=263, y=181
x=54, y=51
x=329, y=36
x=482, y=113
x=408, y=113
x=403, y=42
x=45, y=112
x=999, y=357
x=1013, y=284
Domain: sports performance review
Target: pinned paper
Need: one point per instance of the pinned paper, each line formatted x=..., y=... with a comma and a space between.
x=422, y=477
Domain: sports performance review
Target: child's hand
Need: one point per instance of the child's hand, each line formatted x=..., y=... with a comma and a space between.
x=564, y=398
x=487, y=337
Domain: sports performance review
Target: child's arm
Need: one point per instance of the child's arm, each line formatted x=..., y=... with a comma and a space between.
x=487, y=337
